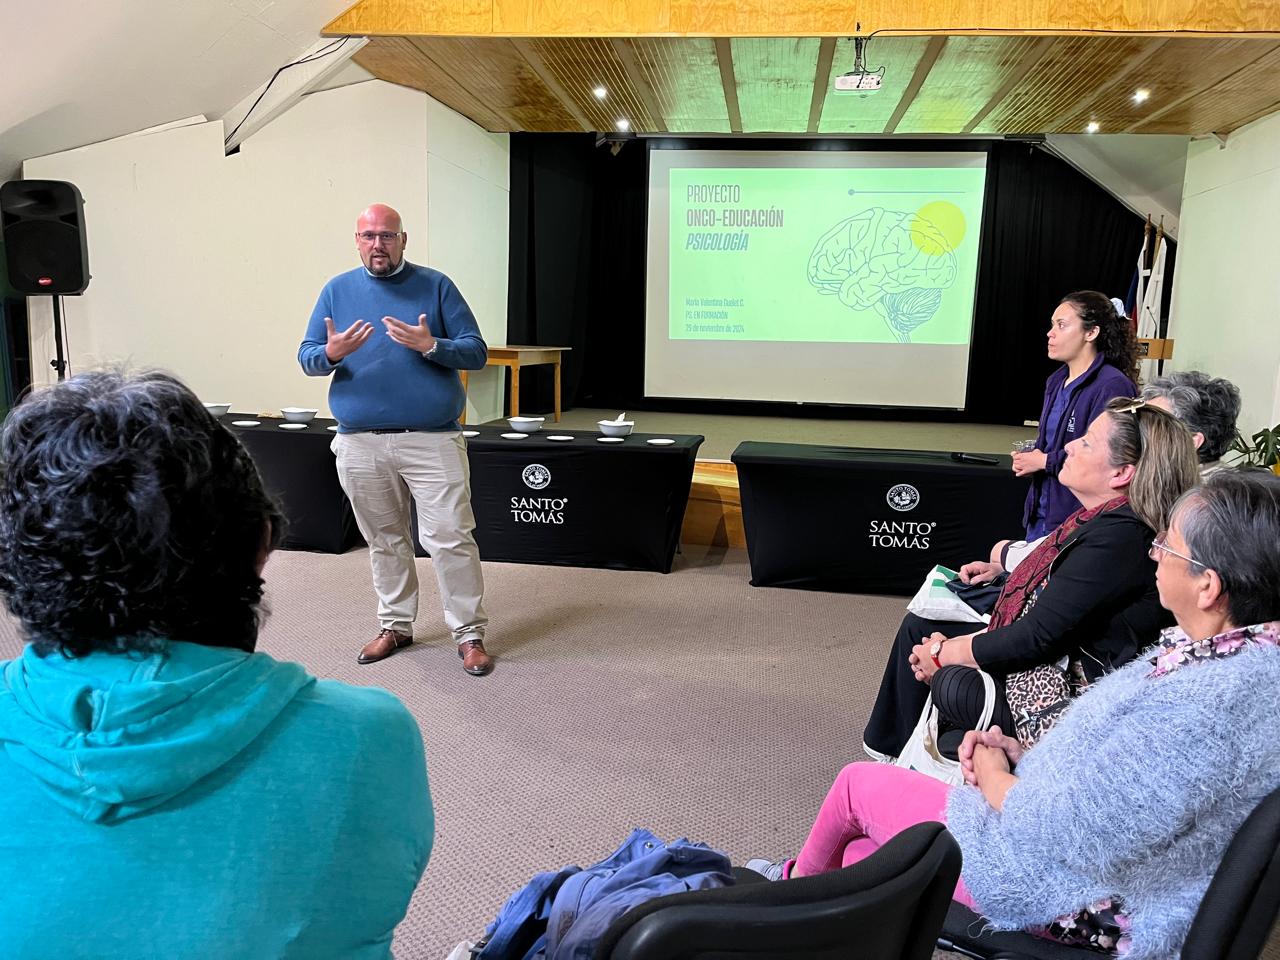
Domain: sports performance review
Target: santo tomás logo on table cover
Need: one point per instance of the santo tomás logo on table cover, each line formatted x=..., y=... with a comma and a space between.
x=903, y=497
x=537, y=509
x=901, y=534
x=535, y=476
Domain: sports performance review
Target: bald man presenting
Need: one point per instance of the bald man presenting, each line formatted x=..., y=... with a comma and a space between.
x=394, y=335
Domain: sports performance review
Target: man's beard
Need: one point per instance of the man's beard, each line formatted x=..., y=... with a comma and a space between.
x=381, y=267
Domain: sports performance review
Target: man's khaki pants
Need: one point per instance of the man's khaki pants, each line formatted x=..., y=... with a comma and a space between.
x=379, y=472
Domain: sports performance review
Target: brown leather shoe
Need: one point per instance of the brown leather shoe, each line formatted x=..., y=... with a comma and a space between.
x=383, y=645
x=474, y=659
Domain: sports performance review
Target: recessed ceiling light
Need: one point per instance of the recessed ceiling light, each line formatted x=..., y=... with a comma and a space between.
x=1092, y=127
x=624, y=124
x=600, y=93
x=1140, y=96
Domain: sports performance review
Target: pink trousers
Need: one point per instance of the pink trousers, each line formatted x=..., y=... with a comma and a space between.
x=867, y=805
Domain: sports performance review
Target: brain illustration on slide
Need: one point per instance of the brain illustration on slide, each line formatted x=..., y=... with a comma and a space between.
x=897, y=262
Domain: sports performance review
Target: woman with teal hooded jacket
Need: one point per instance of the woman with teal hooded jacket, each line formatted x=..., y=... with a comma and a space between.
x=167, y=791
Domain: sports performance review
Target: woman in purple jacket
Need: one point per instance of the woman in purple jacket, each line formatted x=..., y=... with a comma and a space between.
x=1094, y=343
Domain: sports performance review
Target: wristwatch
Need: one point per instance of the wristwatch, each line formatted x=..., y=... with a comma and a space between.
x=426, y=354
x=935, y=651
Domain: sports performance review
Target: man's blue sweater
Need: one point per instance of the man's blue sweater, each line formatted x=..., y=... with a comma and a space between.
x=384, y=385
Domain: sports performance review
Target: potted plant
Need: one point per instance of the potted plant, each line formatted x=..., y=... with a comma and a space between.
x=1262, y=450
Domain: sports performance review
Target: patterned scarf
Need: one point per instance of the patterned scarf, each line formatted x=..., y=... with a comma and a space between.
x=1175, y=649
x=1028, y=576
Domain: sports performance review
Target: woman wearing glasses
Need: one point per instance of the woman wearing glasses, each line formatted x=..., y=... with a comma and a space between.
x=1077, y=607
x=1107, y=832
x=1093, y=341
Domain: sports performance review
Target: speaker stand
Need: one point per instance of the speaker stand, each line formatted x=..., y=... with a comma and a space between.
x=59, y=364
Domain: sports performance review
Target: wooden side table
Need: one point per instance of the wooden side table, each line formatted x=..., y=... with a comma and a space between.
x=513, y=357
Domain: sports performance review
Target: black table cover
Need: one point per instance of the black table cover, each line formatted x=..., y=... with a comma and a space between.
x=869, y=521
x=297, y=468
x=580, y=503
x=616, y=505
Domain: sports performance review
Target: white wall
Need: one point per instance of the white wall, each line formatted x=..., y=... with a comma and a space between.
x=1226, y=288
x=209, y=265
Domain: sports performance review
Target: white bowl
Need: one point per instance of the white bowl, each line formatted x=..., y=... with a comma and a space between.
x=526, y=424
x=615, y=428
x=218, y=409
x=298, y=414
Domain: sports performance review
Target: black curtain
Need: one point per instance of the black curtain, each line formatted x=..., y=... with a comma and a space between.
x=548, y=294
x=1048, y=230
x=578, y=218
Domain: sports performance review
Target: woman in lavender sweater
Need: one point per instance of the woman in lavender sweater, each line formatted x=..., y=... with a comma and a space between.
x=1108, y=831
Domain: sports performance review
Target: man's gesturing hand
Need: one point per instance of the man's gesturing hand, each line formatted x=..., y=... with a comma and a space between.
x=414, y=337
x=348, y=341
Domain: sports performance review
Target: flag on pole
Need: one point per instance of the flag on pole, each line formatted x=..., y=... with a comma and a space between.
x=1133, y=300
x=1153, y=296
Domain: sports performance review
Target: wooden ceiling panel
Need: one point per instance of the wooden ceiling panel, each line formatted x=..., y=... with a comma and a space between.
x=848, y=113
x=579, y=66
x=968, y=72
x=685, y=78
x=399, y=60
x=1055, y=86
x=501, y=79
x=1233, y=101
x=932, y=85
x=775, y=82
x=1177, y=70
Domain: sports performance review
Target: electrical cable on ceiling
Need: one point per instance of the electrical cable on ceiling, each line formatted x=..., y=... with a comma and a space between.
x=326, y=51
x=1100, y=32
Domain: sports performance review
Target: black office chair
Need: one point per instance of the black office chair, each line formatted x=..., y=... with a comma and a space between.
x=887, y=906
x=1233, y=921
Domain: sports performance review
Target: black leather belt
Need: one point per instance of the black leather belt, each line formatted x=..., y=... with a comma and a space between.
x=394, y=430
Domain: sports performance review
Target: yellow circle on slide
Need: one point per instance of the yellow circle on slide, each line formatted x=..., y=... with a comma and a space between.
x=938, y=217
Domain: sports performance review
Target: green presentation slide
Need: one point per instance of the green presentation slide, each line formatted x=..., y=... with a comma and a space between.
x=853, y=255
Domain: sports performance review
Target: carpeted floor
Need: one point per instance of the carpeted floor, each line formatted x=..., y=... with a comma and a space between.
x=692, y=704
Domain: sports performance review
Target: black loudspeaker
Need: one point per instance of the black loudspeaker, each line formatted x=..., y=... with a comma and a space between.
x=46, y=250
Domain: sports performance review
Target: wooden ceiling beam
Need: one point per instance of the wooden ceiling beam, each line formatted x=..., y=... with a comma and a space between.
x=925, y=64
x=821, y=81
x=1041, y=50
x=798, y=18
x=627, y=57
x=724, y=56
x=539, y=66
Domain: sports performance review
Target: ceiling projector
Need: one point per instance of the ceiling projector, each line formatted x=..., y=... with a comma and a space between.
x=857, y=81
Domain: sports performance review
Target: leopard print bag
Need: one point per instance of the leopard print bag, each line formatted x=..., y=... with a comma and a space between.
x=1039, y=696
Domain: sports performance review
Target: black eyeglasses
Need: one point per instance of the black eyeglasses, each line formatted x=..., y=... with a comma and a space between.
x=386, y=236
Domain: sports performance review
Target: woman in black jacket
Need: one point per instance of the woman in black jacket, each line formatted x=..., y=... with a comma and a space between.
x=1086, y=595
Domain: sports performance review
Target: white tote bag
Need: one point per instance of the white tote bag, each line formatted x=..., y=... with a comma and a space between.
x=921, y=750
x=934, y=601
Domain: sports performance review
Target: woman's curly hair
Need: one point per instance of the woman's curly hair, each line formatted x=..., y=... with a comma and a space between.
x=129, y=517
x=1115, y=332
